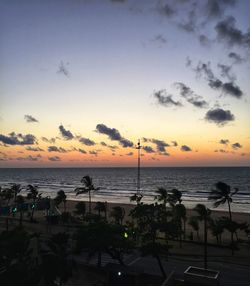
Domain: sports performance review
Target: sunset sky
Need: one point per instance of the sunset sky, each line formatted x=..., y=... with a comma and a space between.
x=82, y=80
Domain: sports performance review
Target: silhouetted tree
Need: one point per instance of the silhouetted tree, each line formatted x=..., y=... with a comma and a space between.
x=101, y=207
x=118, y=214
x=34, y=196
x=88, y=187
x=61, y=198
x=204, y=215
x=80, y=209
x=223, y=194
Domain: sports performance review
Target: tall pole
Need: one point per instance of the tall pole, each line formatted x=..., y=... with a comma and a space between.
x=139, y=167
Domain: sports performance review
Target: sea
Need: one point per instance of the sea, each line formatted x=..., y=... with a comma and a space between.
x=118, y=184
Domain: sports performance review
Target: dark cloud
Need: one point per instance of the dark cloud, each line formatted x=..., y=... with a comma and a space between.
x=54, y=158
x=103, y=144
x=230, y=88
x=95, y=153
x=56, y=149
x=174, y=143
x=216, y=8
x=190, y=96
x=219, y=116
x=165, y=99
x=18, y=139
x=185, y=148
x=113, y=135
x=148, y=149
x=203, y=39
x=221, y=151
x=66, y=134
x=228, y=32
x=166, y=10
x=62, y=69
x=224, y=141
x=130, y=154
x=82, y=151
x=51, y=140
x=29, y=158
x=86, y=141
x=226, y=71
x=34, y=149
x=160, y=39
x=236, y=57
x=30, y=118
x=164, y=154
x=236, y=146
x=160, y=145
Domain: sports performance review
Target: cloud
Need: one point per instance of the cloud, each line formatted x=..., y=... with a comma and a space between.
x=160, y=145
x=130, y=154
x=82, y=151
x=221, y=151
x=219, y=116
x=228, y=32
x=190, y=96
x=86, y=141
x=148, y=149
x=230, y=88
x=30, y=118
x=165, y=99
x=34, y=149
x=224, y=141
x=216, y=8
x=56, y=149
x=174, y=143
x=166, y=10
x=29, y=158
x=185, y=148
x=160, y=39
x=95, y=153
x=62, y=69
x=18, y=139
x=225, y=71
x=51, y=140
x=204, y=41
x=66, y=134
x=54, y=158
x=236, y=146
x=236, y=57
x=113, y=135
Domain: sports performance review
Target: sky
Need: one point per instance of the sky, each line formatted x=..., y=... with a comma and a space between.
x=81, y=81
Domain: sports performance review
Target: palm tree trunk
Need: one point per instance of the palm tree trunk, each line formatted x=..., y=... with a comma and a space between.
x=205, y=243
x=232, y=235
x=89, y=202
x=161, y=266
x=21, y=218
x=99, y=260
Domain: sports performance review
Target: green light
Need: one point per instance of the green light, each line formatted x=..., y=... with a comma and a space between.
x=14, y=210
x=125, y=234
x=32, y=206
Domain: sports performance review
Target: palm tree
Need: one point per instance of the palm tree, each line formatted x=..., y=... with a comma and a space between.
x=194, y=223
x=175, y=196
x=20, y=201
x=88, y=187
x=162, y=196
x=34, y=196
x=180, y=215
x=223, y=194
x=80, y=209
x=61, y=197
x=16, y=189
x=136, y=198
x=101, y=207
x=118, y=214
x=217, y=228
x=203, y=215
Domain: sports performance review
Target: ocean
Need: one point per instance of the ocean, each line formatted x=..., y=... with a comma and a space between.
x=117, y=184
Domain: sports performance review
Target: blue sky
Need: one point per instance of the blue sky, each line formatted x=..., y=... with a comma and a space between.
x=81, y=63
